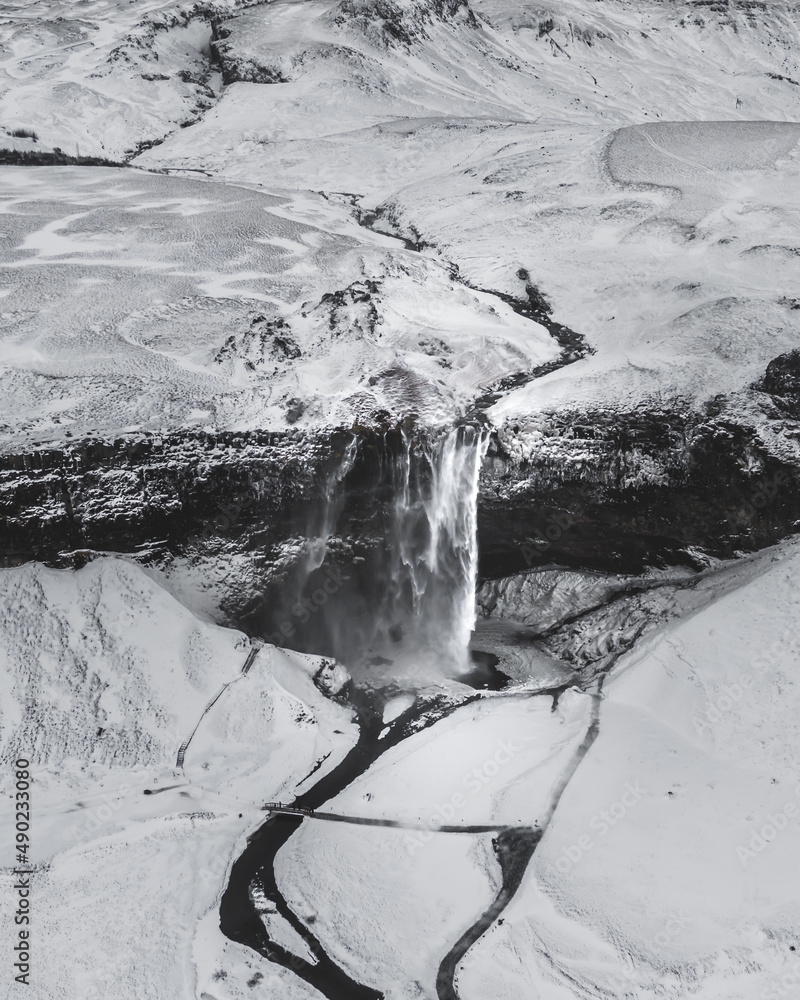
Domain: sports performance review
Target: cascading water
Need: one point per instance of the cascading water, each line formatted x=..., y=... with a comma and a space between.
x=428, y=610
x=321, y=526
x=386, y=580
x=414, y=598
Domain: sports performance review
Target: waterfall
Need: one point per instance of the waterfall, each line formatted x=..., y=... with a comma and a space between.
x=429, y=604
x=294, y=612
x=406, y=608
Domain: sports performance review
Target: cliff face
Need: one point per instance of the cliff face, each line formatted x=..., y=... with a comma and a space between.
x=531, y=245
x=620, y=491
x=171, y=492
x=346, y=245
x=609, y=491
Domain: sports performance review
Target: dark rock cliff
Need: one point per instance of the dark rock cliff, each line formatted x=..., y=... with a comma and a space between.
x=618, y=491
x=614, y=492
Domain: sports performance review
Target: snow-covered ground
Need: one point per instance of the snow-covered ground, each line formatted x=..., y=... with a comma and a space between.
x=104, y=77
x=134, y=301
x=496, y=141
x=104, y=675
x=389, y=903
x=666, y=869
x=686, y=888
x=522, y=145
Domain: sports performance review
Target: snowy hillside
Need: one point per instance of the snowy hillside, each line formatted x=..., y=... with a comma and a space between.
x=484, y=135
x=137, y=301
x=683, y=883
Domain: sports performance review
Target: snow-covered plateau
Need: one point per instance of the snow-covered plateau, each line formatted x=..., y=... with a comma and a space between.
x=399, y=497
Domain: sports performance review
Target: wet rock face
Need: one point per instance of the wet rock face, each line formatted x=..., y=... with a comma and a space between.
x=782, y=382
x=245, y=502
x=619, y=492
x=181, y=491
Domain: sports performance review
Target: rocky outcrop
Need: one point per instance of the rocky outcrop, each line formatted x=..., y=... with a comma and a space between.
x=617, y=492
x=393, y=23
x=782, y=382
x=176, y=491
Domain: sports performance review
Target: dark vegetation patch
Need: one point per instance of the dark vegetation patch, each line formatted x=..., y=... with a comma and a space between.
x=56, y=158
x=24, y=133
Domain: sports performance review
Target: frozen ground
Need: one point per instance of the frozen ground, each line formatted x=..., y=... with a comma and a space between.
x=104, y=77
x=512, y=144
x=702, y=720
x=524, y=146
x=104, y=675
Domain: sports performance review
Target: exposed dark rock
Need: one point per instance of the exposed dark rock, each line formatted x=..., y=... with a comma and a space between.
x=270, y=68
x=295, y=408
x=351, y=307
x=620, y=491
x=266, y=343
x=53, y=158
x=782, y=382
x=394, y=23
x=185, y=491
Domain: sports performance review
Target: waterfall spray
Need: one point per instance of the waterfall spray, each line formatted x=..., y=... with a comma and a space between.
x=319, y=530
